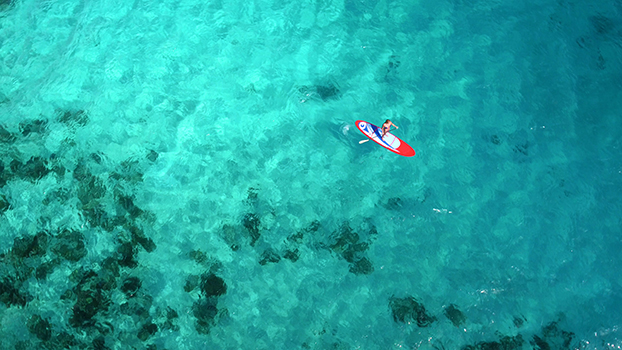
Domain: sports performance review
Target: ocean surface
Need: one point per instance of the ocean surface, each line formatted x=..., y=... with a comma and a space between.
x=188, y=175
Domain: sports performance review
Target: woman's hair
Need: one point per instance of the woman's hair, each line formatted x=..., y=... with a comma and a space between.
x=388, y=120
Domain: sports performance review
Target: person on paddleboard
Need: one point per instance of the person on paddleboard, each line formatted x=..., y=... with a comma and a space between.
x=387, y=126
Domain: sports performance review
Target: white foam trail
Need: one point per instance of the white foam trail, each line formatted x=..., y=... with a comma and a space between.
x=345, y=128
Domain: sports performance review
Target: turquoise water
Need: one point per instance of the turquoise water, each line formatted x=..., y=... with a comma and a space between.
x=187, y=175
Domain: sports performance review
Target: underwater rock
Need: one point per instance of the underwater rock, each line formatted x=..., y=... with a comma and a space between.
x=313, y=227
x=81, y=173
x=97, y=217
x=230, y=235
x=394, y=203
x=99, y=343
x=39, y=327
x=343, y=237
x=205, y=311
x=212, y=285
x=373, y=231
x=127, y=203
x=353, y=252
x=89, y=303
x=69, y=245
x=522, y=149
x=130, y=171
x=152, y=155
x=362, y=267
x=45, y=268
x=6, y=136
x=104, y=327
x=89, y=279
x=130, y=286
x=519, y=321
x=90, y=190
x=65, y=340
x=60, y=194
x=252, y=224
x=110, y=266
x=602, y=24
x=269, y=256
x=10, y=295
x=199, y=256
x=505, y=343
x=407, y=310
x=252, y=194
x=192, y=282
x=30, y=246
x=347, y=244
x=298, y=236
x=37, y=126
x=601, y=63
x=126, y=251
x=78, y=117
x=540, y=344
x=520, y=140
x=4, y=204
x=147, y=330
x=554, y=338
x=515, y=342
x=4, y=175
x=292, y=255
x=171, y=313
x=97, y=158
x=68, y=295
x=454, y=315
x=139, y=236
x=56, y=167
x=133, y=308
x=168, y=321
x=392, y=69
x=327, y=92
x=34, y=169
x=138, y=306
x=393, y=64
x=496, y=140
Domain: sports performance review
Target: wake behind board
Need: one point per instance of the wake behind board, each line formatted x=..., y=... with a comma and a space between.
x=389, y=141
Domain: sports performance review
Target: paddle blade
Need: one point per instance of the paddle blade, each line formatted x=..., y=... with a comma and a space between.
x=363, y=141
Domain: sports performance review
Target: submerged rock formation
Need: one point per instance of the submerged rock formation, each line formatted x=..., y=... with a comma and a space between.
x=456, y=316
x=408, y=309
x=348, y=244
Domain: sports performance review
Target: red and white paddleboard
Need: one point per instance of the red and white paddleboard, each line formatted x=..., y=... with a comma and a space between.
x=389, y=141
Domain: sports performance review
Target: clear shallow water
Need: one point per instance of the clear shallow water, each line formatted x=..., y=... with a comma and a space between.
x=189, y=146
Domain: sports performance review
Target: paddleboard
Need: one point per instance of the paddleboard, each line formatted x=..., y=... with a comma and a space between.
x=389, y=141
